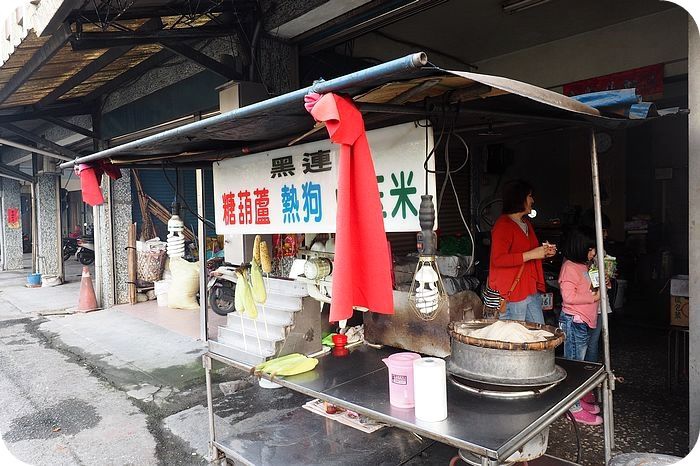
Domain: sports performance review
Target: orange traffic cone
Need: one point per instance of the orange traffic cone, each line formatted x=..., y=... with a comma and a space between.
x=87, y=301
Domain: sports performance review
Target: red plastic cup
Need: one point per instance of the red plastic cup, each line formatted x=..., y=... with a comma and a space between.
x=340, y=340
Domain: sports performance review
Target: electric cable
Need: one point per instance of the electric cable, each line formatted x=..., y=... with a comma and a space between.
x=578, y=436
x=184, y=201
x=448, y=174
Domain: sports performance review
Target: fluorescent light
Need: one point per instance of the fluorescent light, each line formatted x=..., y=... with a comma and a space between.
x=515, y=6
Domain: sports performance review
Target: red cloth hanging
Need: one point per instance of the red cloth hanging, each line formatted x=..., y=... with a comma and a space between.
x=90, y=176
x=362, y=265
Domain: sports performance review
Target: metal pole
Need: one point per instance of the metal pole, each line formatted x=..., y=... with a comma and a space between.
x=35, y=219
x=206, y=362
x=395, y=68
x=201, y=247
x=34, y=229
x=36, y=150
x=59, y=227
x=607, y=424
x=609, y=386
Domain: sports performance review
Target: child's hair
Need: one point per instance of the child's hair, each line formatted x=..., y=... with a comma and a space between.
x=577, y=244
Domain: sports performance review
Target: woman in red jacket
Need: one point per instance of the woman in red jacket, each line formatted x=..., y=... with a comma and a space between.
x=516, y=256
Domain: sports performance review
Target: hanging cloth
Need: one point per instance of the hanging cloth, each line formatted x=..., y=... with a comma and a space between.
x=362, y=265
x=90, y=176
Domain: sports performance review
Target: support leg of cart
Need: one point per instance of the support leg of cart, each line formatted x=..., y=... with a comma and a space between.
x=215, y=455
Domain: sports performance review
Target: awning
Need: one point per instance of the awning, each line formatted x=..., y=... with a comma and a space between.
x=407, y=88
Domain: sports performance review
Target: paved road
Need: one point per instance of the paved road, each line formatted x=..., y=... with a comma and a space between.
x=95, y=388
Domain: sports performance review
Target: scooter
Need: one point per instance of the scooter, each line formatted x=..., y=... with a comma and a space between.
x=70, y=247
x=221, y=289
x=86, y=251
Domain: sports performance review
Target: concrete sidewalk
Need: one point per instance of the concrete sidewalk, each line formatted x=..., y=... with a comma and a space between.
x=92, y=388
x=42, y=300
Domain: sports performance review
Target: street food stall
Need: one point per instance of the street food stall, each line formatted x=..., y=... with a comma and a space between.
x=277, y=175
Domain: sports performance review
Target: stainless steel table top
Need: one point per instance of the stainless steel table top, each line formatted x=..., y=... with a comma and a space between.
x=489, y=427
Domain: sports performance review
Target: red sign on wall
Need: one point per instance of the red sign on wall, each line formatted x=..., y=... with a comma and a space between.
x=648, y=80
x=13, y=218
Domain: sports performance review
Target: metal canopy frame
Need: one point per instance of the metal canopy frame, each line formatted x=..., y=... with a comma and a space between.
x=559, y=109
x=12, y=173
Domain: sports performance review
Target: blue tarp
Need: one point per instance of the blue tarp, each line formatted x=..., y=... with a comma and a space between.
x=620, y=101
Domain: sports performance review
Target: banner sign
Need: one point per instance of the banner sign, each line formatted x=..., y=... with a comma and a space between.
x=293, y=190
x=647, y=80
x=13, y=218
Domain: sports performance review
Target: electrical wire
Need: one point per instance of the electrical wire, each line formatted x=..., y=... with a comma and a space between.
x=448, y=173
x=579, y=448
x=184, y=201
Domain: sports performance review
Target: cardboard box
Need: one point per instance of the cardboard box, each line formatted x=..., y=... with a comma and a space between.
x=679, y=311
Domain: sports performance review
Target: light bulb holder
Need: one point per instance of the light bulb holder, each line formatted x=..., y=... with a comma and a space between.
x=427, y=296
x=426, y=219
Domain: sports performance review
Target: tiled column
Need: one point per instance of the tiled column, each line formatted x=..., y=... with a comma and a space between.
x=121, y=218
x=49, y=225
x=694, y=222
x=112, y=221
x=12, y=234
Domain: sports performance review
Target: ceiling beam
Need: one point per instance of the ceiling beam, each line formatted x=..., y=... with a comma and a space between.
x=134, y=72
x=95, y=65
x=202, y=59
x=12, y=173
x=40, y=141
x=20, y=160
x=70, y=126
x=101, y=40
x=40, y=57
x=200, y=7
x=29, y=113
x=369, y=17
x=19, y=145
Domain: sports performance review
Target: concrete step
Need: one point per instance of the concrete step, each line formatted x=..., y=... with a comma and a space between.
x=228, y=351
x=286, y=287
x=284, y=303
x=276, y=318
x=236, y=339
x=274, y=331
x=250, y=345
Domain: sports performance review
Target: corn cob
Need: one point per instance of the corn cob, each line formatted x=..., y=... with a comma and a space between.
x=256, y=283
x=265, y=261
x=251, y=309
x=274, y=365
x=238, y=293
x=256, y=249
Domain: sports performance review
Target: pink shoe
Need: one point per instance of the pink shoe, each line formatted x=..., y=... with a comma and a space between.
x=589, y=398
x=590, y=407
x=584, y=417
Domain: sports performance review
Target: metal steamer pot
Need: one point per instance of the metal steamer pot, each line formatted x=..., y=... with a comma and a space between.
x=505, y=370
x=501, y=364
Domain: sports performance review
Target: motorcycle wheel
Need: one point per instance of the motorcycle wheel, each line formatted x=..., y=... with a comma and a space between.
x=221, y=299
x=86, y=259
x=66, y=255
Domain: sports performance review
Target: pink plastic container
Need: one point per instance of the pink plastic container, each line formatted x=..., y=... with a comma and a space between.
x=401, y=379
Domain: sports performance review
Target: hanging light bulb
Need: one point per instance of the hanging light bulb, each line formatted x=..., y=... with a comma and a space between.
x=427, y=295
x=176, y=239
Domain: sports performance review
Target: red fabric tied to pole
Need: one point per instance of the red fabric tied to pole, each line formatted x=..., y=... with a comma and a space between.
x=90, y=177
x=362, y=265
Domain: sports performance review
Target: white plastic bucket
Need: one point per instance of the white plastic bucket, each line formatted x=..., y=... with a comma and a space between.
x=161, y=288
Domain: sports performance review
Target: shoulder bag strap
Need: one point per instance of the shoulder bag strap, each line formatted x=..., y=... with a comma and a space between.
x=517, y=280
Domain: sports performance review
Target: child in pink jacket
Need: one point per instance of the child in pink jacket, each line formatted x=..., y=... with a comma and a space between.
x=579, y=310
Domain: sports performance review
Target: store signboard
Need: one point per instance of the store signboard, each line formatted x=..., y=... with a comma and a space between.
x=293, y=190
x=647, y=80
